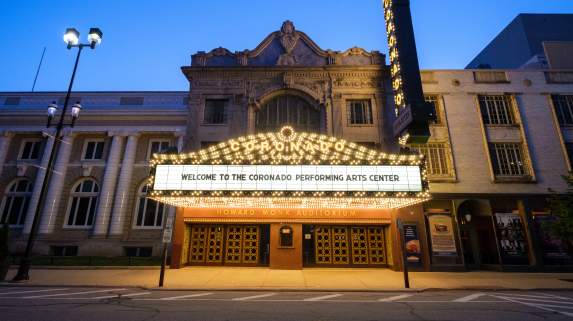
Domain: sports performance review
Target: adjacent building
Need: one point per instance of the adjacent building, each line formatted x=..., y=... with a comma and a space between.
x=501, y=142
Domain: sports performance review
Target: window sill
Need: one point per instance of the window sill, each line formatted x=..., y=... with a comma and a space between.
x=514, y=179
x=501, y=125
x=285, y=247
x=214, y=125
x=361, y=125
x=448, y=179
x=147, y=228
x=71, y=227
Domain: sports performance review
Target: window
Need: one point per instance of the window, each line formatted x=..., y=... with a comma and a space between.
x=359, y=112
x=30, y=150
x=158, y=146
x=437, y=158
x=93, y=150
x=149, y=212
x=286, y=237
x=507, y=159
x=288, y=110
x=138, y=251
x=435, y=101
x=15, y=202
x=64, y=250
x=215, y=111
x=83, y=204
x=563, y=109
x=490, y=77
x=496, y=110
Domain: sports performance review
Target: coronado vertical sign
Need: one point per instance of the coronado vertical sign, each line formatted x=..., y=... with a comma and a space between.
x=412, y=112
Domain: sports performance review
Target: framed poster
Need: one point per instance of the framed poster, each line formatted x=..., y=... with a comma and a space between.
x=511, y=237
x=555, y=250
x=442, y=235
x=412, y=244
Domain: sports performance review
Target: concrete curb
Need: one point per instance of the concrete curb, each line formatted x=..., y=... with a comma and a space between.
x=259, y=289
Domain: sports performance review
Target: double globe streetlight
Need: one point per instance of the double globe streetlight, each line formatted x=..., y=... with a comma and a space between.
x=72, y=39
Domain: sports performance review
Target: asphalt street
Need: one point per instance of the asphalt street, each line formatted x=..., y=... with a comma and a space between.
x=86, y=304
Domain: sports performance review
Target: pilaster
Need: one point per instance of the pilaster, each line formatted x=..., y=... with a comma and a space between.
x=107, y=191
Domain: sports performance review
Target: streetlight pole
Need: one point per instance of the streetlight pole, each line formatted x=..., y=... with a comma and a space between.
x=71, y=38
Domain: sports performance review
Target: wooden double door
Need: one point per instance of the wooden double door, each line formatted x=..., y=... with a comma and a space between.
x=225, y=244
x=349, y=245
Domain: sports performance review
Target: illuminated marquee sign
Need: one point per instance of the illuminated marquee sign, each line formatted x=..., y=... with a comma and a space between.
x=288, y=170
x=327, y=178
x=412, y=112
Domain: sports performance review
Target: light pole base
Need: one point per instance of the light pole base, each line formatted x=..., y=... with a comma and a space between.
x=23, y=271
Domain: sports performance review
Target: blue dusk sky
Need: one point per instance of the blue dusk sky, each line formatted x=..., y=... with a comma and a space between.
x=146, y=42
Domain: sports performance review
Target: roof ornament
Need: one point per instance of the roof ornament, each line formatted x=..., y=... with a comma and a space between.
x=288, y=38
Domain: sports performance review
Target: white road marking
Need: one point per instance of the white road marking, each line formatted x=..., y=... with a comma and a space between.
x=469, y=298
x=186, y=296
x=120, y=295
x=68, y=294
x=519, y=296
x=553, y=305
x=32, y=291
x=550, y=300
x=395, y=298
x=324, y=297
x=569, y=314
x=254, y=297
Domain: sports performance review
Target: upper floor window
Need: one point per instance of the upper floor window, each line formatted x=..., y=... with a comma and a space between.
x=30, y=149
x=564, y=109
x=158, y=146
x=15, y=202
x=507, y=159
x=434, y=100
x=359, y=112
x=496, y=109
x=93, y=150
x=83, y=200
x=208, y=144
x=437, y=155
x=150, y=213
x=215, y=112
x=288, y=110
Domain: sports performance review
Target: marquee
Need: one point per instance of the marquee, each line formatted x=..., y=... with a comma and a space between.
x=288, y=170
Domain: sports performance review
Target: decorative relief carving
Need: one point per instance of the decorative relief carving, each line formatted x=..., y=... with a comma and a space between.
x=288, y=39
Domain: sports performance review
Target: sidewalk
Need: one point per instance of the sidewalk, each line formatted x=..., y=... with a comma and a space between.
x=237, y=278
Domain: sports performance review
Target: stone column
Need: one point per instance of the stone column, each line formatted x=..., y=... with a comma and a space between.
x=54, y=194
x=5, y=139
x=38, y=182
x=107, y=190
x=123, y=187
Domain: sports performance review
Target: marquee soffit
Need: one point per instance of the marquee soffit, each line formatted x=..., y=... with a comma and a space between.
x=288, y=147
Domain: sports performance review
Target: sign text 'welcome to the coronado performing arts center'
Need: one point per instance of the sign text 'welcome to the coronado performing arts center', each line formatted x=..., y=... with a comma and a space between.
x=324, y=178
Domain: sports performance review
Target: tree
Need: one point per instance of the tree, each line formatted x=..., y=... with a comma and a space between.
x=561, y=206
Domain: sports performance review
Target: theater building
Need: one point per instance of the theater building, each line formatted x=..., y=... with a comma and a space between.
x=502, y=138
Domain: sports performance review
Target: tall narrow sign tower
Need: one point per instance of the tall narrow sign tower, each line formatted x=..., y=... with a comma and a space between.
x=412, y=112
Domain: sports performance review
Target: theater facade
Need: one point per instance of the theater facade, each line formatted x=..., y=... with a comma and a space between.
x=284, y=156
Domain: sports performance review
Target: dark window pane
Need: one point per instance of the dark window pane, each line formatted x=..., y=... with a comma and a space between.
x=83, y=209
x=89, y=150
x=150, y=213
x=91, y=215
x=73, y=211
x=215, y=111
x=99, y=150
x=87, y=186
x=26, y=151
x=141, y=211
x=17, y=203
x=159, y=220
x=35, y=150
x=24, y=210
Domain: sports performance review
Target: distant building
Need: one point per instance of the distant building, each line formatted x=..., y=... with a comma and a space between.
x=530, y=41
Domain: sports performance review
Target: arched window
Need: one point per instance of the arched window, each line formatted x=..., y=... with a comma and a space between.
x=149, y=213
x=83, y=203
x=15, y=202
x=288, y=110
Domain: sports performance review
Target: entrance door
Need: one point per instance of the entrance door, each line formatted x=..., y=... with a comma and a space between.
x=225, y=244
x=349, y=245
